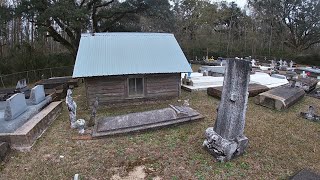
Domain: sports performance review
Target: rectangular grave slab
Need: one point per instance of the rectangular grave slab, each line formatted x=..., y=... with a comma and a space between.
x=315, y=93
x=37, y=94
x=254, y=90
x=280, y=98
x=144, y=120
x=15, y=106
x=307, y=84
x=305, y=174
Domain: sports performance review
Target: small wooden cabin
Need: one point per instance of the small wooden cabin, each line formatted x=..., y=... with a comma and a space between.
x=130, y=67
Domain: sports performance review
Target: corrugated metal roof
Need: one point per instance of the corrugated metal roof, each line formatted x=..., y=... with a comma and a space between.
x=107, y=54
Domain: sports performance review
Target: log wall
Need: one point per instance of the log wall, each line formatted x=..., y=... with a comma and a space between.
x=114, y=89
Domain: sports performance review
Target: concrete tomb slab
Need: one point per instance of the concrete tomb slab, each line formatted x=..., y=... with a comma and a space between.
x=144, y=120
x=254, y=90
x=25, y=136
x=15, y=106
x=307, y=84
x=279, y=76
x=280, y=98
x=315, y=93
x=31, y=110
x=37, y=94
x=305, y=174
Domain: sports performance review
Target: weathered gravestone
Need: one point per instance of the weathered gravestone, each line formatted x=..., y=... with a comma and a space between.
x=37, y=94
x=310, y=115
x=92, y=119
x=21, y=84
x=15, y=106
x=281, y=97
x=226, y=139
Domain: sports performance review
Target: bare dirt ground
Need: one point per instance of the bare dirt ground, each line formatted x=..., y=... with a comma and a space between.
x=281, y=143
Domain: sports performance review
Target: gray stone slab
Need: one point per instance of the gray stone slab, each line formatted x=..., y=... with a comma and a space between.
x=144, y=120
x=37, y=94
x=15, y=106
x=305, y=174
x=315, y=93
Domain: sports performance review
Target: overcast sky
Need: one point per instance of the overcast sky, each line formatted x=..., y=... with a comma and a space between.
x=241, y=3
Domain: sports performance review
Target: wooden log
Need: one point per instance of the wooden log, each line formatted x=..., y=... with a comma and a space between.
x=254, y=90
x=280, y=98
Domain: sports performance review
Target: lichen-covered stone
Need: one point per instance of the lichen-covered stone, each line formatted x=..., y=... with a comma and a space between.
x=226, y=140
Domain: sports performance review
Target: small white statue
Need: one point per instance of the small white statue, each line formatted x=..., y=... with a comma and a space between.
x=80, y=125
x=186, y=102
x=280, y=63
x=291, y=64
x=273, y=64
x=72, y=108
x=253, y=62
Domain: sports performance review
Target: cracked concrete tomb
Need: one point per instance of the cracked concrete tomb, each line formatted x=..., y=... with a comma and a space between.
x=226, y=139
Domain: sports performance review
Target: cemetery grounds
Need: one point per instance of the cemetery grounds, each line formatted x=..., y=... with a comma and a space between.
x=280, y=144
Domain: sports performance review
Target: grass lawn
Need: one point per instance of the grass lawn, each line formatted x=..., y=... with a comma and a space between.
x=280, y=143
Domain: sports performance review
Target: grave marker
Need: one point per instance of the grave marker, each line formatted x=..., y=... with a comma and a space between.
x=281, y=97
x=37, y=94
x=226, y=139
x=15, y=106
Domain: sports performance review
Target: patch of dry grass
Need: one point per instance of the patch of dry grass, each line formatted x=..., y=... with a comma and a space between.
x=281, y=143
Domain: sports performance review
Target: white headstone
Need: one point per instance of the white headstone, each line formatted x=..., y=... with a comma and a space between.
x=280, y=62
x=15, y=106
x=285, y=63
x=37, y=94
x=21, y=84
x=291, y=64
x=304, y=75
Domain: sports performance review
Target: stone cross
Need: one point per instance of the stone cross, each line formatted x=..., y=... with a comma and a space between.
x=72, y=108
x=226, y=139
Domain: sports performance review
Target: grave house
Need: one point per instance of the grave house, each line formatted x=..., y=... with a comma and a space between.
x=130, y=67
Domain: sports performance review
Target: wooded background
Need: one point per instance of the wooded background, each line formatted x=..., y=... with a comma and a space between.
x=36, y=34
